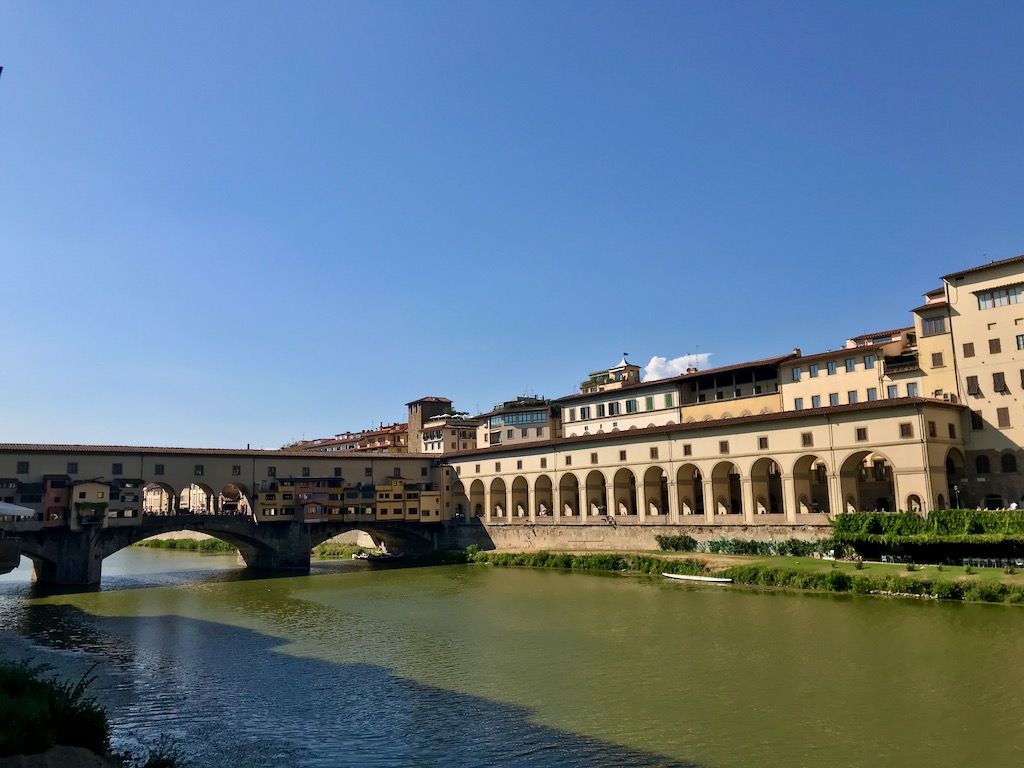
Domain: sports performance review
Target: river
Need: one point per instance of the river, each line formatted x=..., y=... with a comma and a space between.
x=356, y=664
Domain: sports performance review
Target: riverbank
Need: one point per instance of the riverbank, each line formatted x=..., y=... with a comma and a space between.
x=974, y=585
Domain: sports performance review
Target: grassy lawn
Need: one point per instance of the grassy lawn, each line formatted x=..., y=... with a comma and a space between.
x=929, y=572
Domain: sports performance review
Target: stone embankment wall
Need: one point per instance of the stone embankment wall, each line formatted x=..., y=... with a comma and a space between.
x=532, y=538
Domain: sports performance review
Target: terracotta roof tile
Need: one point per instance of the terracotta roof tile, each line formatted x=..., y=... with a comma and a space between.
x=983, y=267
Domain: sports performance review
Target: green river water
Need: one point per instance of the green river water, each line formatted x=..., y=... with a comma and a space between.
x=473, y=665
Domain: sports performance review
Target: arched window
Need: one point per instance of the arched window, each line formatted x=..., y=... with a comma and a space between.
x=982, y=465
x=1009, y=462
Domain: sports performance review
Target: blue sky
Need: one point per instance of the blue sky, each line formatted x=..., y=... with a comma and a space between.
x=244, y=223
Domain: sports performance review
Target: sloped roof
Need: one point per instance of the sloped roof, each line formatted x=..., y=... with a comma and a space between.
x=983, y=267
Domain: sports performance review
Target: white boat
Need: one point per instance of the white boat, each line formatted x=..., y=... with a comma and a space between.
x=705, y=579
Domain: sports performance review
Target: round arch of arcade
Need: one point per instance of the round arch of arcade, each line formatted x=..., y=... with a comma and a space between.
x=784, y=487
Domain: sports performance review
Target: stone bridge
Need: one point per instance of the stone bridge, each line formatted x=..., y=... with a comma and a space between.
x=63, y=556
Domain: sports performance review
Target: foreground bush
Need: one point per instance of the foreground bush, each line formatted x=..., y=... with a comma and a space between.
x=38, y=712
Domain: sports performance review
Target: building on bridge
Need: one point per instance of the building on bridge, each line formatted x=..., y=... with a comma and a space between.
x=123, y=483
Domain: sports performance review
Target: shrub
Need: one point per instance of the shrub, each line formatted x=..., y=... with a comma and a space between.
x=676, y=543
x=37, y=713
x=859, y=564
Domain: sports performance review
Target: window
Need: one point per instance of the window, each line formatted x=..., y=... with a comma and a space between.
x=806, y=439
x=497, y=466
x=519, y=464
x=969, y=349
x=815, y=401
x=649, y=403
x=937, y=358
x=862, y=434
x=723, y=446
x=368, y=471
x=614, y=409
x=81, y=494
x=305, y=471
x=977, y=423
x=906, y=430
x=833, y=398
x=198, y=470
x=982, y=466
x=158, y=469
x=762, y=443
x=72, y=467
x=236, y=470
x=572, y=414
x=892, y=392
x=543, y=463
x=994, y=347
x=1000, y=297
x=509, y=433
x=631, y=406
x=337, y=471
x=593, y=458
x=600, y=410
x=872, y=393
x=477, y=469
x=832, y=369
x=568, y=461
x=271, y=471
x=585, y=412
x=668, y=400
x=524, y=432
x=972, y=386
x=1020, y=341
x=654, y=453
x=869, y=361
x=796, y=374
x=22, y=468
x=687, y=449
x=851, y=365
x=798, y=404
x=812, y=371
x=999, y=382
x=932, y=326
x=1008, y=462
x=932, y=429
x=540, y=431
x=912, y=389
x=1003, y=417
x=117, y=469
x=952, y=431
x=851, y=396
x=622, y=455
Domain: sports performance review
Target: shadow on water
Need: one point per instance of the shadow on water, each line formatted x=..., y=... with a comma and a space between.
x=227, y=698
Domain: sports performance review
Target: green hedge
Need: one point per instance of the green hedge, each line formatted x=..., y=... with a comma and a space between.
x=940, y=523
x=790, y=547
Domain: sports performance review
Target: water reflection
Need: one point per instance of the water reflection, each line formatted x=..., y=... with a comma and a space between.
x=481, y=666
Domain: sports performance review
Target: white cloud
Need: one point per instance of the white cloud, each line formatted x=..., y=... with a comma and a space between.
x=663, y=368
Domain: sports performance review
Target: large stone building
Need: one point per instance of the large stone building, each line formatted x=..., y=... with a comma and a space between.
x=880, y=422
